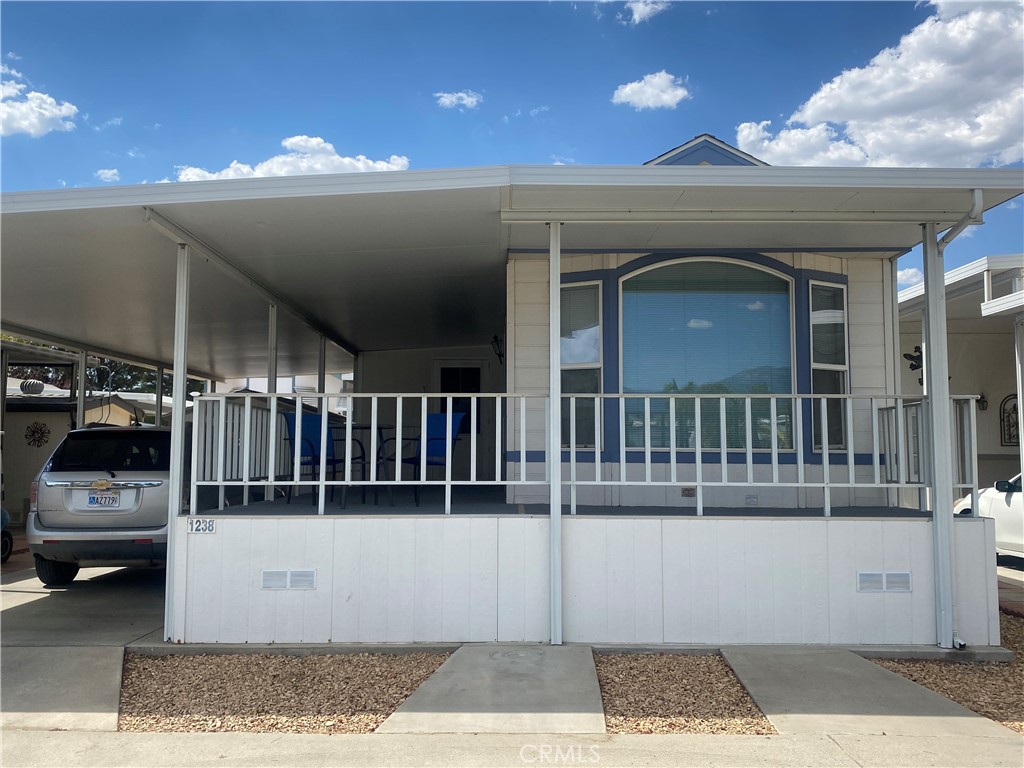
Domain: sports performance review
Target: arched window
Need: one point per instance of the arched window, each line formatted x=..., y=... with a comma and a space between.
x=705, y=326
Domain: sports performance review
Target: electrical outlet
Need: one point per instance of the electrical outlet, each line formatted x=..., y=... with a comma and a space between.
x=751, y=501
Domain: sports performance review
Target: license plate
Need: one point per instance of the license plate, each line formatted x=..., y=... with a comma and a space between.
x=104, y=499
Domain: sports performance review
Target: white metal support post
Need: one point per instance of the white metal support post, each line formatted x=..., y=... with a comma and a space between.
x=158, y=399
x=80, y=381
x=272, y=349
x=272, y=389
x=321, y=374
x=936, y=370
x=1018, y=338
x=177, y=554
x=554, y=447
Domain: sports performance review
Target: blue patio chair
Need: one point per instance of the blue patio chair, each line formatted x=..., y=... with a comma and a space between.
x=310, y=453
x=434, y=445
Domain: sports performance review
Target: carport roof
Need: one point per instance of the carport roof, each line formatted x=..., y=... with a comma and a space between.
x=412, y=259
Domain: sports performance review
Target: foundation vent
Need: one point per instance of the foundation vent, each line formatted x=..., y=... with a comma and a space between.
x=885, y=581
x=301, y=579
x=870, y=582
x=288, y=579
x=275, y=580
x=897, y=581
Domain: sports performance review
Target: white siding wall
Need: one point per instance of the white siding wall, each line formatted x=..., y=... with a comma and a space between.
x=720, y=581
x=626, y=580
x=379, y=580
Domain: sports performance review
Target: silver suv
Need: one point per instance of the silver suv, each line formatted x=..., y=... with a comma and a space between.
x=101, y=499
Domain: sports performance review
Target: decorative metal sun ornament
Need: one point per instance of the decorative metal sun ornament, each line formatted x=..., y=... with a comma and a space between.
x=37, y=434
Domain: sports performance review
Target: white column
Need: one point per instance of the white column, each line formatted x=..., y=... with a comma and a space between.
x=321, y=372
x=177, y=553
x=159, y=397
x=272, y=350
x=936, y=369
x=554, y=447
x=1018, y=337
x=83, y=361
x=5, y=363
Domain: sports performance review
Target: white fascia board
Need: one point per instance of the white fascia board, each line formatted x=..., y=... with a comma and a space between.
x=1007, y=181
x=1004, y=305
x=225, y=190
x=975, y=269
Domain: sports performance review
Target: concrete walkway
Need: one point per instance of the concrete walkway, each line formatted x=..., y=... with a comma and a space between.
x=819, y=690
x=63, y=647
x=496, y=688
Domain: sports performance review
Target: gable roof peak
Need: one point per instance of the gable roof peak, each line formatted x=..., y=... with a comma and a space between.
x=705, y=149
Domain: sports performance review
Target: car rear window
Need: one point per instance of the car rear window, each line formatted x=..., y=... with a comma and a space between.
x=135, y=451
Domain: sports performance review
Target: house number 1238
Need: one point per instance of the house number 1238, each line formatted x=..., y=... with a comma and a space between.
x=201, y=525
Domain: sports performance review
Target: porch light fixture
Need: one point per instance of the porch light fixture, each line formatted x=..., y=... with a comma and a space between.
x=916, y=360
x=498, y=345
x=982, y=402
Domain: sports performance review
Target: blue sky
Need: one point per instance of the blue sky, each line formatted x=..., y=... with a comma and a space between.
x=125, y=93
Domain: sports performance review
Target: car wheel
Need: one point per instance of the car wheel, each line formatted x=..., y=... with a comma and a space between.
x=54, y=573
x=7, y=546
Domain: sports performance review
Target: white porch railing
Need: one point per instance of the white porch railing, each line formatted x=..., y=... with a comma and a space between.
x=874, y=442
x=249, y=447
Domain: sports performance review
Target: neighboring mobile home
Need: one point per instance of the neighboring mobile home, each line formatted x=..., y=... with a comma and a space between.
x=985, y=325
x=701, y=356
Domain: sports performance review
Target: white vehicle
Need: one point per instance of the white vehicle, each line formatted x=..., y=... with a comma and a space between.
x=1004, y=503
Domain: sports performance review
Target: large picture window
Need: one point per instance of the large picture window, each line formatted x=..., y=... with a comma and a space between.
x=707, y=327
x=580, y=340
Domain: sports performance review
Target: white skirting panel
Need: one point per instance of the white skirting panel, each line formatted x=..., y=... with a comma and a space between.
x=378, y=580
x=759, y=581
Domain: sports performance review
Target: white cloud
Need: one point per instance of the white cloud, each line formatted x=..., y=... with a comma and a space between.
x=459, y=99
x=108, y=174
x=13, y=56
x=34, y=113
x=656, y=91
x=699, y=325
x=135, y=152
x=111, y=123
x=538, y=110
x=306, y=155
x=909, y=276
x=950, y=93
x=561, y=160
x=642, y=10
x=755, y=306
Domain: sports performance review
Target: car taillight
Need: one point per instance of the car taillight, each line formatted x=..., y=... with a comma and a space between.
x=33, y=497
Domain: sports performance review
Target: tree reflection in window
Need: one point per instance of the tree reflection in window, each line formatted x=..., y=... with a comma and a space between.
x=721, y=328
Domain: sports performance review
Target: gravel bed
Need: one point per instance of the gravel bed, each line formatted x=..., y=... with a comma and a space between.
x=343, y=693
x=675, y=693
x=992, y=689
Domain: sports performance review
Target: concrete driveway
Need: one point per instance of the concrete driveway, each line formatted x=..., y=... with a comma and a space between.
x=63, y=647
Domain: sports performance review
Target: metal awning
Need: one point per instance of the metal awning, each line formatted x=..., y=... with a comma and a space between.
x=413, y=259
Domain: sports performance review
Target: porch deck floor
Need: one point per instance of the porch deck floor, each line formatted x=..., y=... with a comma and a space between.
x=491, y=501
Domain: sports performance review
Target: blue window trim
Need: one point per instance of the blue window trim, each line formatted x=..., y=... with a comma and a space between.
x=610, y=278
